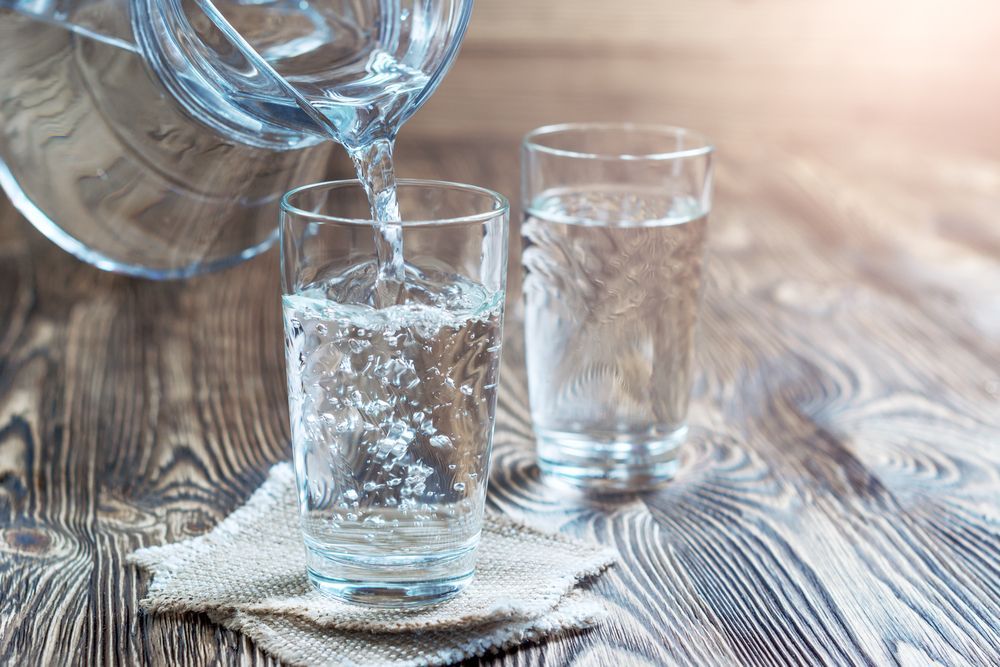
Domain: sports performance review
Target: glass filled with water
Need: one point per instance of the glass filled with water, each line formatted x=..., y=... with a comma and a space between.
x=392, y=389
x=615, y=219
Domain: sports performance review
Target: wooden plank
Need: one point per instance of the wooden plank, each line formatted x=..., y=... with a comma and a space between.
x=837, y=501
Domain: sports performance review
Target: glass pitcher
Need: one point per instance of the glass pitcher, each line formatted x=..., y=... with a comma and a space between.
x=156, y=137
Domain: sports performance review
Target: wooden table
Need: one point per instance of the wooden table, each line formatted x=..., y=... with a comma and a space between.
x=839, y=497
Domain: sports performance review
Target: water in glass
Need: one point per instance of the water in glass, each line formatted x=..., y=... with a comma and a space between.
x=391, y=413
x=612, y=285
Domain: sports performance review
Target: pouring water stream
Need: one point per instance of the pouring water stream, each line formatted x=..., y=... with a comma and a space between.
x=372, y=162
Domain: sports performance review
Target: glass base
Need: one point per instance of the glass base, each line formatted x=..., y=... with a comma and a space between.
x=619, y=464
x=390, y=581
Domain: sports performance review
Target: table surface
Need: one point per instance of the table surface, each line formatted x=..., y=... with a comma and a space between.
x=838, y=500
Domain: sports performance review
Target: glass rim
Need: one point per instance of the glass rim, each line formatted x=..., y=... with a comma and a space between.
x=501, y=204
x=704, y=148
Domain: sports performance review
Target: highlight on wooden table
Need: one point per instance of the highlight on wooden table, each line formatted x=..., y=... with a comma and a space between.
x=835, y=496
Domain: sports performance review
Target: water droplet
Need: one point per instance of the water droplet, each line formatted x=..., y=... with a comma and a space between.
x=459, y=486
x=466, y=389
x=351, y=494
x=376, y=407
x=370, y=486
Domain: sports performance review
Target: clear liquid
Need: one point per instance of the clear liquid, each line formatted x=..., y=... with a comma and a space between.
x=359, y=106
x=353, y=71
x=377, y=174
x=278, y=74
x=391, y=413
x=612, y=288
x=331, y=62
x=337, y=62
x=118, y=173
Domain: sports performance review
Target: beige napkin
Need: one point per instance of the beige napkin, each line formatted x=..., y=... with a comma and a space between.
x=249, y=575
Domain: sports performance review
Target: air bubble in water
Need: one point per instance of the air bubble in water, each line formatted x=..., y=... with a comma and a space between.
x=440, y=441
x=379, y=393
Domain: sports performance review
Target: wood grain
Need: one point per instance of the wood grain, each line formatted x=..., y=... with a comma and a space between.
x=839, y=497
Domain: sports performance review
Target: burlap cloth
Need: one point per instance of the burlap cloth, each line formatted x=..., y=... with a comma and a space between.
x=248, y=574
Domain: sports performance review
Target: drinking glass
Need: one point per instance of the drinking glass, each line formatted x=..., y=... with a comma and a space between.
x=392, y=409
x=613, y=239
